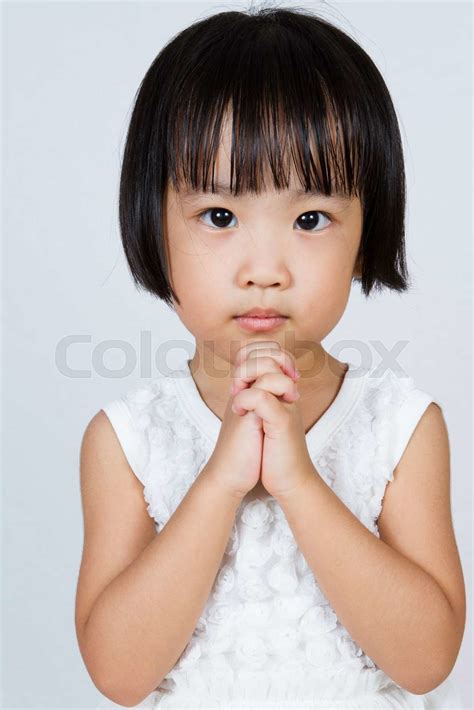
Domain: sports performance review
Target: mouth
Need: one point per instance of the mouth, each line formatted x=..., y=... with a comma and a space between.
x=260, y=323
x=261, y=313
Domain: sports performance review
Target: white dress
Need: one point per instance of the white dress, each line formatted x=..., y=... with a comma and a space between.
x=267, y=636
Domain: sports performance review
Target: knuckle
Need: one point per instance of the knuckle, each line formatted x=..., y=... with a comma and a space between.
x=265, y=380
x=272, y=364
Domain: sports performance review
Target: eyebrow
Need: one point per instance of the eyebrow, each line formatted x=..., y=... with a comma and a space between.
x=294, y=194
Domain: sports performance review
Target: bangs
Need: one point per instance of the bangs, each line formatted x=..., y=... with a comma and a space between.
x=285, y=93
x=291, y=102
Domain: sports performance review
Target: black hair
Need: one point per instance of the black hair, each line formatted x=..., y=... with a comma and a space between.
x=290, y=78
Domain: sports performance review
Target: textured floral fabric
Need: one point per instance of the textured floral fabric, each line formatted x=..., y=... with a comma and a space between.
x=268, y=637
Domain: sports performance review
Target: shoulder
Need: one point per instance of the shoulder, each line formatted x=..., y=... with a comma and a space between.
x=395, y=406
x=143, y=403
x=428, y=443
x=101, y=449
x=136, y=419
x=386, y=390
x=141, y=398
x=423, y=468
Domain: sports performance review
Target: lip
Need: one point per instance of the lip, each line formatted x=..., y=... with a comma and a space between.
x=261, y=313
x=253, y=324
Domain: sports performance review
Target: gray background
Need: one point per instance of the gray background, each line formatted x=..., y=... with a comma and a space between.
x=70, y=74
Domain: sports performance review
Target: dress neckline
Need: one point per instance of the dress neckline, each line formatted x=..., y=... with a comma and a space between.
x=209, y=423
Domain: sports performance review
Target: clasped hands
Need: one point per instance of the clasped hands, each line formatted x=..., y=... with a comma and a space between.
x=264, y=381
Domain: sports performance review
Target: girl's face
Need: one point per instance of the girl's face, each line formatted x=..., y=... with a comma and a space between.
x=229, y=254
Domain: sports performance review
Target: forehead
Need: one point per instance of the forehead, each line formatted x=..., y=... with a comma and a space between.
x=218, y=180
x=291, y=194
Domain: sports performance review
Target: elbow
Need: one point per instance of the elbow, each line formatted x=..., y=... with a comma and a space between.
x=433, y=680
x=120, y=696
x=124, y=692
x=441, y=670
x=433, y=666
x=427, y=679
x=126, y=696
x=113, y=690
x=425, y=685
x=116, y=685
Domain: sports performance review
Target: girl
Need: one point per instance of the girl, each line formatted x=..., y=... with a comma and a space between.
x=267, y=526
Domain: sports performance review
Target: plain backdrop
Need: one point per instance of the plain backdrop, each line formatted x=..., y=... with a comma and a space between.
x=77, y=333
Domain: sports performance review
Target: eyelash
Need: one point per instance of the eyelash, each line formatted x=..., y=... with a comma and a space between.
x=224, y=229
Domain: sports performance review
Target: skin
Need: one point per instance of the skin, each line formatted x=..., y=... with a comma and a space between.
x=264, y=258
x=400, y=597
x=412, y=629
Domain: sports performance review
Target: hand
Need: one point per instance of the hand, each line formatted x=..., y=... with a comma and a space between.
x=236, y=461
x=273, y=396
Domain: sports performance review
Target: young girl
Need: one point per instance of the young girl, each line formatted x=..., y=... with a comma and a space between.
x=286, y=543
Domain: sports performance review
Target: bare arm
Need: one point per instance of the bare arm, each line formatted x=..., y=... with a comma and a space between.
x=402, y=598
x=143, y=619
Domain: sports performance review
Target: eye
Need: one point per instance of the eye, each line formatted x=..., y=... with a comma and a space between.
x=309, y=219
x=221, y=217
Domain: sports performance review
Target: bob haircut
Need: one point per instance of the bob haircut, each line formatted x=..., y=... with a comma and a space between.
x=290, y=79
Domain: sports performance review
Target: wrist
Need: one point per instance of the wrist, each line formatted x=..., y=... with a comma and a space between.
x=297, y=490
x=212, y=479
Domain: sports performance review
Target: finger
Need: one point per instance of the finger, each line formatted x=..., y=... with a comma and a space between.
x=273, y=383
x=279, y=385
x=246, y=372
x=283, y=357
x=250, y=370
x=262, y=403
x=244, y=351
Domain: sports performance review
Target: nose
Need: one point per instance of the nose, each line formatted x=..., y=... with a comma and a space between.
x=265, y=271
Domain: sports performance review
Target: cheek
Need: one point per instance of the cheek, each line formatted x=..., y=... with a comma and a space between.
x=328, y=264
x=201, y=281
x=319, y=270
x=324, y=287
x=200, y=302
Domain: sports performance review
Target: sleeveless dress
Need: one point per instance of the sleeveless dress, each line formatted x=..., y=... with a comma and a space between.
x=267, y=636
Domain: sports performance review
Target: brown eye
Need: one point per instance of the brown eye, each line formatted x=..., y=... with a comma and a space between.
x=220, y=217
x=308, y=220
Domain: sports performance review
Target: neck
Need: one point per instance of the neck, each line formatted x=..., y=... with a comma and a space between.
x=212, y=371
